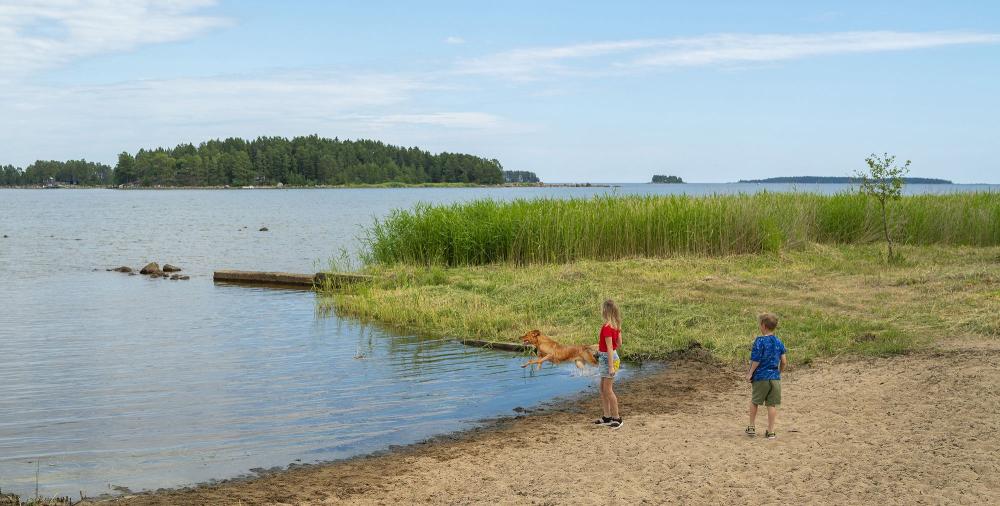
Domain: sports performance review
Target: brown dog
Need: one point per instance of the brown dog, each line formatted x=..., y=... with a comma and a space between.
x=550, y=350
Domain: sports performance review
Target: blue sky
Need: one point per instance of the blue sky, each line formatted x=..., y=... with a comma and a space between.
x=575, y=91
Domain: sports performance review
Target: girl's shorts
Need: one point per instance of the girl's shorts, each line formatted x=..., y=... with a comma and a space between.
x=603, y=366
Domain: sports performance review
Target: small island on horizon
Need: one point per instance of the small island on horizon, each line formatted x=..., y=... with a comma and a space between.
x=666, y=179
x=838, y=180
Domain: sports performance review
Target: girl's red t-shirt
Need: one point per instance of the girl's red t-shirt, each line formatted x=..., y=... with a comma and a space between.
x=613, y=333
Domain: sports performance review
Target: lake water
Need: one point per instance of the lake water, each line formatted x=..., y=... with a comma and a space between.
x=111, y=380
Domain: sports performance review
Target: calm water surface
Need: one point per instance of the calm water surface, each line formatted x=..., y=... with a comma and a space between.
x=111, y=380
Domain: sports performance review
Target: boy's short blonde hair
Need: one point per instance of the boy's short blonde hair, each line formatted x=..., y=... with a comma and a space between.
x=768, y=320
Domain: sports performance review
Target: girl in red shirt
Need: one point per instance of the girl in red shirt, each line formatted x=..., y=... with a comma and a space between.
x=607, y=363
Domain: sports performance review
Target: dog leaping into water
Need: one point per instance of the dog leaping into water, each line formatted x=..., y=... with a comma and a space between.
x=550, y=350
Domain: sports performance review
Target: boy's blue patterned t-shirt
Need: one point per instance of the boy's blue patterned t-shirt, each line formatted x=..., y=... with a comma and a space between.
x=767, y=350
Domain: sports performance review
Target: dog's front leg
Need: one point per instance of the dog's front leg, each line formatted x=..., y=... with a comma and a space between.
x=542, y=361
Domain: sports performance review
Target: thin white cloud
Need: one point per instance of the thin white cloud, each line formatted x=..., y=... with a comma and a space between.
x=38, y=34
x=98, y=121
x=608, y=56
x=442, y=119
x=453, y=39
x=529, y=62
x=302, y=96
x=769, y=48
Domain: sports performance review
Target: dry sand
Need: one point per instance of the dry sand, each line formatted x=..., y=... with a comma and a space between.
x=923, y=428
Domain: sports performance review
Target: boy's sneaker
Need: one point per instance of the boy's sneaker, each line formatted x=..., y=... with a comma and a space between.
x=770, y=435
x=751, y=431
x=604, y=420
x=616, y=423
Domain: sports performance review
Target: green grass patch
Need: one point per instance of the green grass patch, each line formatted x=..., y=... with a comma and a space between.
x=832, y=299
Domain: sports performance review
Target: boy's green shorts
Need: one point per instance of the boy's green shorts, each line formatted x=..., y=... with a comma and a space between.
x=767, y=392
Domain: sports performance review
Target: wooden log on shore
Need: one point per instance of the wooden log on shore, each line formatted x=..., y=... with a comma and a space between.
x=497, y=345
x=288, y=279
x=339, y=279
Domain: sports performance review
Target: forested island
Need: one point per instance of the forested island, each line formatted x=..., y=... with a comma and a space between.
x=667, y=179
x=838, y=180
x=70, y=172
x=266, y=161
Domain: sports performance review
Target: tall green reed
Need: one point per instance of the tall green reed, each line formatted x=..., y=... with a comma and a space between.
x=613, y=227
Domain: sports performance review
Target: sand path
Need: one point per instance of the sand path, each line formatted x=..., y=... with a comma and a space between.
x=917, y=429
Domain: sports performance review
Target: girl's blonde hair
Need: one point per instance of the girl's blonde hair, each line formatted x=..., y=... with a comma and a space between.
x=611, y=313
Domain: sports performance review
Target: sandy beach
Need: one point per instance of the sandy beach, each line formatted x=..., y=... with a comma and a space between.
x=920, y=428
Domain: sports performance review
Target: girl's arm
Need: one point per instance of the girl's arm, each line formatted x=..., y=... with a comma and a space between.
x=608, y=342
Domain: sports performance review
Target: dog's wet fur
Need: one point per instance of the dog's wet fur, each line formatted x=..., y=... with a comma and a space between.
x=550, y=350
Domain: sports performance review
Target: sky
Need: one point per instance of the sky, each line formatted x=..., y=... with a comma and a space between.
x=573, y=90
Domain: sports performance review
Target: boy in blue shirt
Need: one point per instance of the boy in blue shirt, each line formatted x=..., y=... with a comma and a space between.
x=767, y=361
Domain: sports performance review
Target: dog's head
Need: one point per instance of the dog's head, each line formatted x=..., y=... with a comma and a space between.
x=531, y=338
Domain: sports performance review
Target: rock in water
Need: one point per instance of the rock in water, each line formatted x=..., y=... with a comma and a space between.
x=123, y=268
x=263, y=229
x=151, y=268
x=171, y=268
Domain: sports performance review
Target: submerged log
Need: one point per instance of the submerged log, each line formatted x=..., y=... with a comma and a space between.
x=339, y=279
x=497, y=345
x=289, y=278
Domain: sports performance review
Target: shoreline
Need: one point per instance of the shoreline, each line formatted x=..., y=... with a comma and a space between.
x=460, y=185
x=573, y=405
x=376, y=186
x=683, y=442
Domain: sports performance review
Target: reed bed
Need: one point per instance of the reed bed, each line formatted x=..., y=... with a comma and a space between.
x=616, y=227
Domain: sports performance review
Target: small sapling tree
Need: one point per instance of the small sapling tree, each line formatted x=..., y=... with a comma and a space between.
x=883, y=180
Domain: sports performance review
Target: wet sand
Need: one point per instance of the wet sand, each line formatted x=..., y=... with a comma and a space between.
x=923, y=428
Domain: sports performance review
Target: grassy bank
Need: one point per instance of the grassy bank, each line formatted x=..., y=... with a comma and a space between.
x=612, y=227
x=832, y=299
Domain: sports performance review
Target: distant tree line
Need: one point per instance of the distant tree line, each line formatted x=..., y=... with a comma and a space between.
x=305, y=160
x=68, y=172
x=520, y=176
x=839, y=180
x=667, y=179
